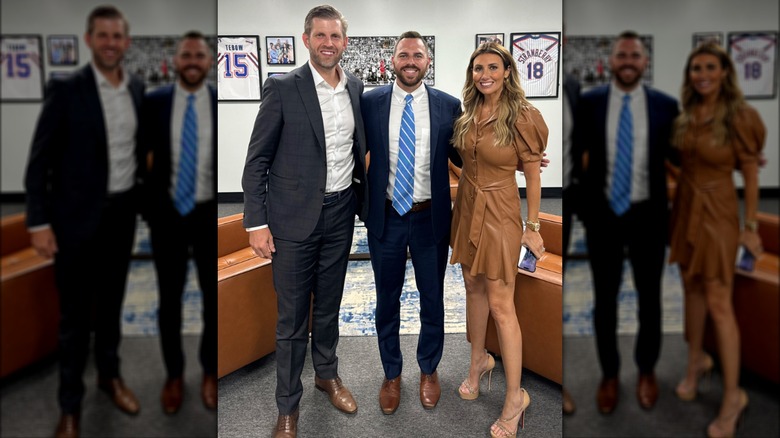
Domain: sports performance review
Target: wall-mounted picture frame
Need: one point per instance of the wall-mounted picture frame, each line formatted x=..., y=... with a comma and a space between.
x=238, y=68
x=151, y=59
x=63, y=50
x=587, y=59
x=21, y=70
x=60, y=74
x=370, y=59
x=280, y=50
x=276, y=73
x=755, y=62
x=537, y=56
x=700, y=38
x=482, y=38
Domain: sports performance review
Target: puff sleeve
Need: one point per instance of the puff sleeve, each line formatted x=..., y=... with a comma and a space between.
x=532, y=139
x=750, y=134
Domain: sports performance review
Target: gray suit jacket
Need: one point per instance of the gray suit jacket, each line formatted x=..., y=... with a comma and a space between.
x=285, y=169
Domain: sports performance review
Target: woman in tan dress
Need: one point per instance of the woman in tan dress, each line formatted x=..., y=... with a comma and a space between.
x=715, y=133
x=498, y=131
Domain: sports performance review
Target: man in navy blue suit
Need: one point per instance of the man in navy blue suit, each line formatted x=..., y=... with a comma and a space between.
x=81, y=209
x=181, y=215
x=638, y=224
x=424, y=230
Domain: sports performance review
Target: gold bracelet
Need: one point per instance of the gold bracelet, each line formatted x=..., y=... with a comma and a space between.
x=751, y=225
x=533, y=226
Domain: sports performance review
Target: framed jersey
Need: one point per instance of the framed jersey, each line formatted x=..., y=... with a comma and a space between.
x=537, y=56
x=755, y=61
x=238, y=68
x=21, y=63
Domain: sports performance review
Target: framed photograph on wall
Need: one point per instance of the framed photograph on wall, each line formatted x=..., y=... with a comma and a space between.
x=587, y=59
x=489, y=37
x=537, y=56
x=700, y=38
x=151, y=59
x=755, y=61
x=22, y=68
x=276, y=73
x=238, y=68
x=280, y=50
x=369, y=58
x=63, y=49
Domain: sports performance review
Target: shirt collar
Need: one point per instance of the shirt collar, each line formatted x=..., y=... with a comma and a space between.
x=199, y=93
x=318, y=79
x=103, y=82
x=636, y=92
x=400, y=94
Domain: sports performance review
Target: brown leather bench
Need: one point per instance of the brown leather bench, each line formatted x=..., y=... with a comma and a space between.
x=757, y=307
x=539, y=304
x=246, y=299
x=29, y=302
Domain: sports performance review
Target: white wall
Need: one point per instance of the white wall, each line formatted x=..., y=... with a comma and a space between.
x=454, y=23
x=56, y=17
x=672, y=24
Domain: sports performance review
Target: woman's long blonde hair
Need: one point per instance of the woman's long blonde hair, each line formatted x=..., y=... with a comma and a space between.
x=729, y=100
x=511, y=101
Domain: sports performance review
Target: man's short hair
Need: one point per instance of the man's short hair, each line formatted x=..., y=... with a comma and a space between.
x=107, y=12
x=413, y=35
x=326, y=12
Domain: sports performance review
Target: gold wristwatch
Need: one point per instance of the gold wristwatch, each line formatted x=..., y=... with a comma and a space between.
x=751, y=225
x=533, y=226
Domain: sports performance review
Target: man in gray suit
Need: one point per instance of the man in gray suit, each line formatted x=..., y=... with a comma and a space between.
x=303, y=182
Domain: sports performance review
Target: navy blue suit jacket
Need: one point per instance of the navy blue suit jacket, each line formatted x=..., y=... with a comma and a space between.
x=67, y=173
x=590, y=136
x=444, y=109
x=155, y=137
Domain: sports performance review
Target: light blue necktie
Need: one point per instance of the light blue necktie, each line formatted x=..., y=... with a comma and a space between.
x=404, y=172
x=620, y=196
x=184, y=197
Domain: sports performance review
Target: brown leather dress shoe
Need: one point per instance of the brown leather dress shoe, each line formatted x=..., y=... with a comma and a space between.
x=430, y=390
x=172, y=395
x=286, y=426
x=647, y=390
x=607, y=396
x=390, y=395
x=208, y=391
x=68, y=427
x=339, y=394
x=121, y=395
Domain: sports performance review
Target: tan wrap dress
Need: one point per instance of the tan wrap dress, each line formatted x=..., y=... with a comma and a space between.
x=705, y=215
x=486, y=219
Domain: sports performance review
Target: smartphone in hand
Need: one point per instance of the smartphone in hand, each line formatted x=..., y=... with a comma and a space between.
x=746, y=261
x=527, y=260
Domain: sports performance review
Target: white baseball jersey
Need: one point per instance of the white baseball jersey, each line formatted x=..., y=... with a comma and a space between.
x=21, y=75
x=537, y=59
x=238, y=68
x=754, y=62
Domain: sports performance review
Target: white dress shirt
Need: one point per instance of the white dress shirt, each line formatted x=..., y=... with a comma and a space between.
x=204, y=187
x=422, y=140
x=338, y=120
x=640, y=182
x=121, y=123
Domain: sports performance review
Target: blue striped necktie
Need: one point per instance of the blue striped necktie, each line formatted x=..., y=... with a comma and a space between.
x=404, y=172
x=184, y=197
x=620, y=196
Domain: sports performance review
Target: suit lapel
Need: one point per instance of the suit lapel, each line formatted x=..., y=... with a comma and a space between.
x=92, y=106
x=434, y=108
x=305, y=83
x=383, y=105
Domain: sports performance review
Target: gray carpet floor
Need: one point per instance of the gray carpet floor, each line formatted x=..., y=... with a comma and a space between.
x=247, y=407
x=28, y=400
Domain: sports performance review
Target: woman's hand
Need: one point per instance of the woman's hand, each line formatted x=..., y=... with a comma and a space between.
x=752, y=241
x=533, y=241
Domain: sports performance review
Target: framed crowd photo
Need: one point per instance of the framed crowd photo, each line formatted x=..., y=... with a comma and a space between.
x=700, y=38
x=238, y=68
x=63, y=50
x=489, y=37
x=280, y=50
x=370, y=59
x=587, y=59
x=151, y=59
x=537, y=56
x=21, y=72
x=755, y=61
